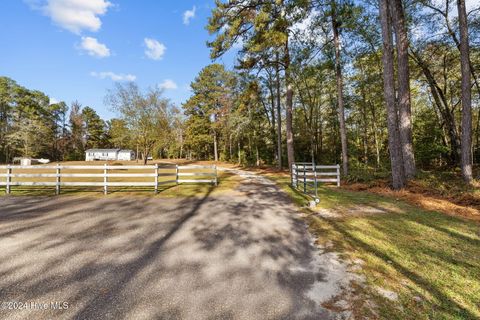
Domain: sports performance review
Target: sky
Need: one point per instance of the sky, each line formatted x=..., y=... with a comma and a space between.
x=77, y=49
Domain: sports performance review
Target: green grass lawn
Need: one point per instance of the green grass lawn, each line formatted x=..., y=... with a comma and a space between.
x=431, y=260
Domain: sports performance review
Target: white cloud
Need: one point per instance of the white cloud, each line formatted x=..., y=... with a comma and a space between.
x=155, y=50
x=188, y=15
x=74, y=15
x=94, y=48
x=54, y=100
x=168, y=84
x=471, y=4
x=113, y=76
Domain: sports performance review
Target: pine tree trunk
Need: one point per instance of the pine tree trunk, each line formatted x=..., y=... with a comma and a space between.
x=279, y=117
x=375, y=134
x=289, y=109
x=339, y=79
x=257, y=154
x=274, y=120
x=398, y=176
x=453, y=35
x=230, y=155
x=477, y=135
x=215, y=146
x=466, y=145
x=239, y=154
x=136, y=156
x=404, y=101
x=365, y=133
x=181, y=146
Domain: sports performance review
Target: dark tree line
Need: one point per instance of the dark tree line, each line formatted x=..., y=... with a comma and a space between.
x=32, y=126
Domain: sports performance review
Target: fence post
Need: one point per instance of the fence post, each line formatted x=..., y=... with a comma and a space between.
x=9, y=179
x=176, y=173
x=338, y=175
x=156, y=178
x=304, y=179
x=315, y=179
x=57, y=180
x=296, y=176
x=292, y=176
x=216, y=180
x=105, y=180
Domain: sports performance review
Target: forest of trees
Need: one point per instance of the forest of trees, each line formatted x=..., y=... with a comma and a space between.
x=382, y=85
x=32, y=126
x=389, y=85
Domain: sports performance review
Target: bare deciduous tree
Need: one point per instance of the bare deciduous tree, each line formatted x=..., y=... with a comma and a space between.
x=147, y=115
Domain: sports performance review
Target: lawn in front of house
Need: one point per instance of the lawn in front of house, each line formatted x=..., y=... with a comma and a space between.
x=427, y=261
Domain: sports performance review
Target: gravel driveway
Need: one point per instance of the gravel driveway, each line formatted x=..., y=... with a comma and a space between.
x=244, y=255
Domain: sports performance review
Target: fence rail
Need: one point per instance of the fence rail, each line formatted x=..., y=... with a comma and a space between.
x=309, y=175
x=170, y=174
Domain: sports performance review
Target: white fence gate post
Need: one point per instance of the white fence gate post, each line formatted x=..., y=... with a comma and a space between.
x=9, y=179
x=176, y=173
x=216, y=180
x=295, y=174
x=295, y=177
x=105, y=180
x=304, y=179
x=156, y=178
x=292, y=175
x=57, y=180
x=338, y=175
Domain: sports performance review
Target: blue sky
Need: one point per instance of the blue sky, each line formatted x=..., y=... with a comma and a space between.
x=77, y=49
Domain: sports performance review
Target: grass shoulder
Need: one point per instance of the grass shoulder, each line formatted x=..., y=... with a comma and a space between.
x=418, y=264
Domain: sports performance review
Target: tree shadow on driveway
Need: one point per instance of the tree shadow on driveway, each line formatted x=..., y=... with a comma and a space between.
x=242, y=256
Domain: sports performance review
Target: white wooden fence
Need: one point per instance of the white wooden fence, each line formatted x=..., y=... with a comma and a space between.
x=307, y=174
x=169, y=174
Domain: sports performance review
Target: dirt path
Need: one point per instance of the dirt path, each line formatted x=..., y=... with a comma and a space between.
x=246, y=255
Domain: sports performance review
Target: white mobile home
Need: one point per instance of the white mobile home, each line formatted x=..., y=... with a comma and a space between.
x=109, y=154
x=126, y=155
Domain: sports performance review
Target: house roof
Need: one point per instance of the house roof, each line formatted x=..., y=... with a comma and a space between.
x=102, y=150
x=108, y=150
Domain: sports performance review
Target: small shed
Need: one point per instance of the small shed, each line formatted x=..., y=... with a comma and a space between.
x=29, y=161
x=25, y=162
x=109, y=154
